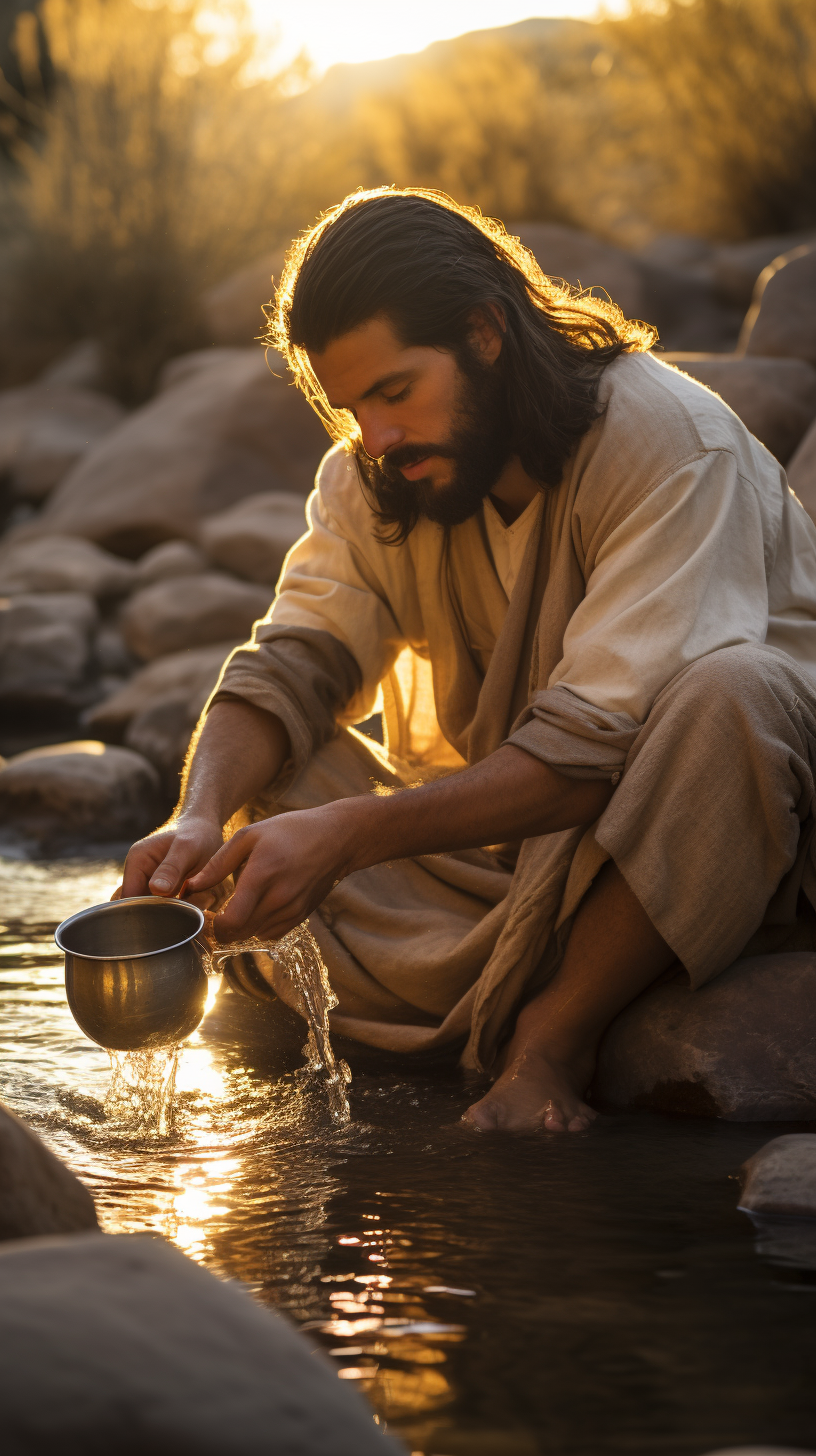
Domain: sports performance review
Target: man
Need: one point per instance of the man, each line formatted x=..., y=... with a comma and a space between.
x=587, y=599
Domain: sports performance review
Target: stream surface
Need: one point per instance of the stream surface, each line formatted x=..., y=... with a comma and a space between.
x=492, y=1297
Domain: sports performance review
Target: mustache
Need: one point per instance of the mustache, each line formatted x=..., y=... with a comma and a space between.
x=402, y=455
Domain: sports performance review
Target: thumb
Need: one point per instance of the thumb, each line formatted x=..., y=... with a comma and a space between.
x=168, y=877
x=224, y=862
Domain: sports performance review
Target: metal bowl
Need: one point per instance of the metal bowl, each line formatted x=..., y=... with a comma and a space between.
x=134, y=974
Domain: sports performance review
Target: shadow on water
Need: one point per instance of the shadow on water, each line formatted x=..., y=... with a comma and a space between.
x=492, y=1297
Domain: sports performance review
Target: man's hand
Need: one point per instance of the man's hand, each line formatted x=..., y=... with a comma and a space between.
x=162, y=863
x=288, y=864
x=284, y=868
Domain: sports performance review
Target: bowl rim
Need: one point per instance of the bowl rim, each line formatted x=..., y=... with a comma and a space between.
x=110, y=905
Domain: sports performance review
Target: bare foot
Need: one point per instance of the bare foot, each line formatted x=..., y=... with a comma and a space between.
x=534, y=1092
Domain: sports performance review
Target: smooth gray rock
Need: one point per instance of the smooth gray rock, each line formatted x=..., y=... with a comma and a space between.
x=79, y=791
x=743, y=1047
x=735, y=267
x=233, y=310
x=166, y=562
x=253, y=537
x=585, y=261
x=781, y=322
x=191, y=612
x=781, y=1177
x=222, y=427
x=185, y=678
x=38, y=1194
x=774, y=398
x=81, y=367
x=60, y=564
x=45, y=648
x=45, y=428
x=119, y=1343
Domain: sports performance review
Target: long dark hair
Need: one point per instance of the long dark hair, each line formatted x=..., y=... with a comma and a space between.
x=426, y=263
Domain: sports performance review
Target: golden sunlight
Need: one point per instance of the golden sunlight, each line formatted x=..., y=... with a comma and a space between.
x=366, y=30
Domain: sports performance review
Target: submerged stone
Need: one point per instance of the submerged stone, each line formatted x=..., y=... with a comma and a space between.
x=781, y=1177
x=740, y=1047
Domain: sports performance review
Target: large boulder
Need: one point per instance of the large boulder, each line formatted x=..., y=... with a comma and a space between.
x=165, y=562
x=191, y=612
x=781, y=322
x=801, y=471
x=222, y=427
x=45, y=428
x=682, y=304
x=774, y=398
x=233, y=310
x=45, y=650
x=781, y=1178
x=181, y=677
x=156, y=711
x=253, y=537
x=585, y=262
x=119, y=1342
x=740, y=1048
x=71, y=793
x=62, y=564
x=38, y=1194
x=735, y=267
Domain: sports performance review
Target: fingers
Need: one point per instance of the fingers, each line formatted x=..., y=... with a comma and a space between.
x=224, y=862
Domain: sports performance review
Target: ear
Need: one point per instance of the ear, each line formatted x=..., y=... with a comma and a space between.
x=487, y=328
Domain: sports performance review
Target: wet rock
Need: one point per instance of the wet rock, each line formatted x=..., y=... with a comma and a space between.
x=223, y=427
x=781, y=1177
x=45, y=649
x=253, y=538
x=63, y=564
x=740, y=1048
x=118, y=1342
x=233, y=310
x=171, y=559
x=585, y=261
x=191, y=612
x=774, y=398
x=38, y=1194
x=781, y=322
x=801, y=471
x=46, y=428
x=185, y=678
x=69, y=793
x=735, y=267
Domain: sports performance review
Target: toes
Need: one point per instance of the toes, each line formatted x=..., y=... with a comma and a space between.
x=482, y=1115
x=554, y=1118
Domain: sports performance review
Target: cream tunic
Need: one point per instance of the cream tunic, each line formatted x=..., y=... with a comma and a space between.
x=713, y=549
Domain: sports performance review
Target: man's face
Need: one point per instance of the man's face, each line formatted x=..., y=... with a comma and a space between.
x=437, y=430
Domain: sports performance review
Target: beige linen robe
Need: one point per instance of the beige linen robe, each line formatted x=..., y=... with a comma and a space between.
x=673, y=535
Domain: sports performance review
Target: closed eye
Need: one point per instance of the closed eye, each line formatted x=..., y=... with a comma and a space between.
x=398, y=398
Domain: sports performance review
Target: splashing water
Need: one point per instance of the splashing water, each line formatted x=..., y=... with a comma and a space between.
x=140, y=1096
x=298, y=955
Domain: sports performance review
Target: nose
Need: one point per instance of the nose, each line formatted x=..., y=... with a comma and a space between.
x=379, y=435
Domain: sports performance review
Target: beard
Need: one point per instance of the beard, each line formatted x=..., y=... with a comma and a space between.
x=479, y=448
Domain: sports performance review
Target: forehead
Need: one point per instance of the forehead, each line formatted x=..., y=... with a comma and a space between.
x=350, y=366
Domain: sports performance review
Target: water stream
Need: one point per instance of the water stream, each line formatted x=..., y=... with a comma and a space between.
x=587, y=1296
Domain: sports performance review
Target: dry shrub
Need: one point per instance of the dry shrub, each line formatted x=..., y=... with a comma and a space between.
x=711, y=115
x=147, y=182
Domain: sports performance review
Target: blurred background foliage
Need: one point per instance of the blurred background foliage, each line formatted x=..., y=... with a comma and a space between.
x=146, y=154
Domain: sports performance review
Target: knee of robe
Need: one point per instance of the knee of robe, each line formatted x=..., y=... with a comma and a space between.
x=732, y=684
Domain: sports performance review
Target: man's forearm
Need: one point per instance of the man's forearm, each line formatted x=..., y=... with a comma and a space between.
x=240, y=750
x=509, y=796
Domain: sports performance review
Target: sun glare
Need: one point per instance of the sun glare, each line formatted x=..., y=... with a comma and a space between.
x=362, y=30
